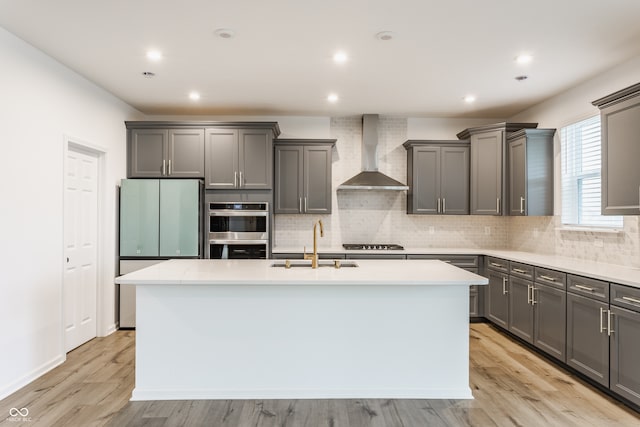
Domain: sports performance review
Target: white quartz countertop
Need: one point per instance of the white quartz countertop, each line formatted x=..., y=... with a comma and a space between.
x=261, y=272
x=624, y=275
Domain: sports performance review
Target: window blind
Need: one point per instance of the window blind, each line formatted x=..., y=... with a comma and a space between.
x=580, y=153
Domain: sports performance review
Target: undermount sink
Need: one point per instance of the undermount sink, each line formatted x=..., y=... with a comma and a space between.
x=307, y=263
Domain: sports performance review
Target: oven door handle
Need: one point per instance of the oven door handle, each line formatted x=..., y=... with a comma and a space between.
x=238, y=213
x=237, y=242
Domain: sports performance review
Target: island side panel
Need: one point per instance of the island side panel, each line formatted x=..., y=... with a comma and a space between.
x=288, y=342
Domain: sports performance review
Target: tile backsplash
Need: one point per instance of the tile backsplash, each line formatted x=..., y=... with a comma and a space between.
x=380, y=216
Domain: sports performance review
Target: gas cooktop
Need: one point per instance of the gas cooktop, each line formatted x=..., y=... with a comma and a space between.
x=371, y=247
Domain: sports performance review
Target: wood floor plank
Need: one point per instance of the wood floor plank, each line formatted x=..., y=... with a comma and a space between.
x=512, y=386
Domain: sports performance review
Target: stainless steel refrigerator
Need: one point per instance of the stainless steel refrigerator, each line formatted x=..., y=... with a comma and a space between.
x=159, y=219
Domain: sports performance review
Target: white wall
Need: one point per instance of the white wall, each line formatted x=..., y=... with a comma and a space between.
x=41, y=102
x=544, y=234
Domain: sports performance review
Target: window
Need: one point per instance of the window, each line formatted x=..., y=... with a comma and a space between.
x=581, y=176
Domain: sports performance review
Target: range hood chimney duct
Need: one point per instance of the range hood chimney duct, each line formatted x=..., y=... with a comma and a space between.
x=370, y=178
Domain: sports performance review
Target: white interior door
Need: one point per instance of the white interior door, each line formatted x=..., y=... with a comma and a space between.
x=81, y=243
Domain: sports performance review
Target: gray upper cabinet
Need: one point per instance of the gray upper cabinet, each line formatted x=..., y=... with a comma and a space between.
x=303, y=176
x=531, y=172
x=161, y=152
x=438, y=177
x=620, y=124
x=488, y=166
x=239, y=158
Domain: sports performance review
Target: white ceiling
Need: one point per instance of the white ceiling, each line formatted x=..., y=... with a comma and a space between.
x=280, y=61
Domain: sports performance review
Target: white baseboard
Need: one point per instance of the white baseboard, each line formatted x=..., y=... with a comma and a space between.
x=6, y=390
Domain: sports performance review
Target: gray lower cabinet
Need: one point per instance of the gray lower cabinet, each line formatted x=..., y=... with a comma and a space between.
x=238, y=158
x=438, y=177
x=550, y=312
x=620, y=124
x=162, y=152
x=520, y=308
x=303, y=176
x=587, y=337
x=625, y=342
x=497, y=297
x=531, y=172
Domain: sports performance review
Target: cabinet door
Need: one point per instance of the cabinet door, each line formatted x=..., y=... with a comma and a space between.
x=625, y=354
x=317, y=180
x=517, y=177
x=497, y=294
x=147, y=153
x=139, y=217
x=620, y=154
x=454, y=180
x=425, y=187
x=550, y=320
x=288, y=179
x=520, y=308
x=587, y=341
x=186, y=153
x=179, y=214
x=255, y=169
x=486, y=173
x=221, y=159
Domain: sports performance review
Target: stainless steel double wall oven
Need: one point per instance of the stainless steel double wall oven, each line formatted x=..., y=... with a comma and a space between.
x=237, y=230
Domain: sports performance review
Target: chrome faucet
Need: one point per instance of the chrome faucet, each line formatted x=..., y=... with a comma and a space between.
x=314, y=256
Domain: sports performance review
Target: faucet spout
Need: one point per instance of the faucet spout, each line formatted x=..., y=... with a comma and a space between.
x=314, y=257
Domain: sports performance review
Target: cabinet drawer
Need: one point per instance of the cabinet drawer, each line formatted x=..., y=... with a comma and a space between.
x=592, y=288
x=521, y=270
x=625, y=296
x=462, y=261
x=497, y=264
x=550, y=277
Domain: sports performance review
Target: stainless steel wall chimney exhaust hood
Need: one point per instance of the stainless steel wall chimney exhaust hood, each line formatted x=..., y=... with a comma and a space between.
x=370, y=178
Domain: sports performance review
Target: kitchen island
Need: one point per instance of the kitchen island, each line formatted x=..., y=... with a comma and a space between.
x=244, y=329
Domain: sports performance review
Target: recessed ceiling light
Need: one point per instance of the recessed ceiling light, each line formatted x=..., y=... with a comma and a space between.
x=385, y=35
x=469, y=99
x=225, y=33
x=148, y=74
x=332, y=97
x=340, y=57
x=154, y=55
x=521, y=78
x=194, y=96
x=524, y=59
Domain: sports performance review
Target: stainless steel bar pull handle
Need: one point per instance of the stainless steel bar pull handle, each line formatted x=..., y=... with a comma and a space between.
x=504, y=286
x=609, y=322
x=444, y=205
x=519, y=270
x=584, y=288
x=300, y=205
x=164, y=167
x=240, y=183
x=521, y=205
x=529, y=292
x=498, y=205
x=305, y=204
x=601, y=323
x=533, y=295
x=633, y=300
x=438, y=206
x=551, y=279
x=169, y=172
x=235, y=179
x=495, y=264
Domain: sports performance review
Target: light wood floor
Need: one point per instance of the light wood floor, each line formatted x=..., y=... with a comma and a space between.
x=512, y=387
